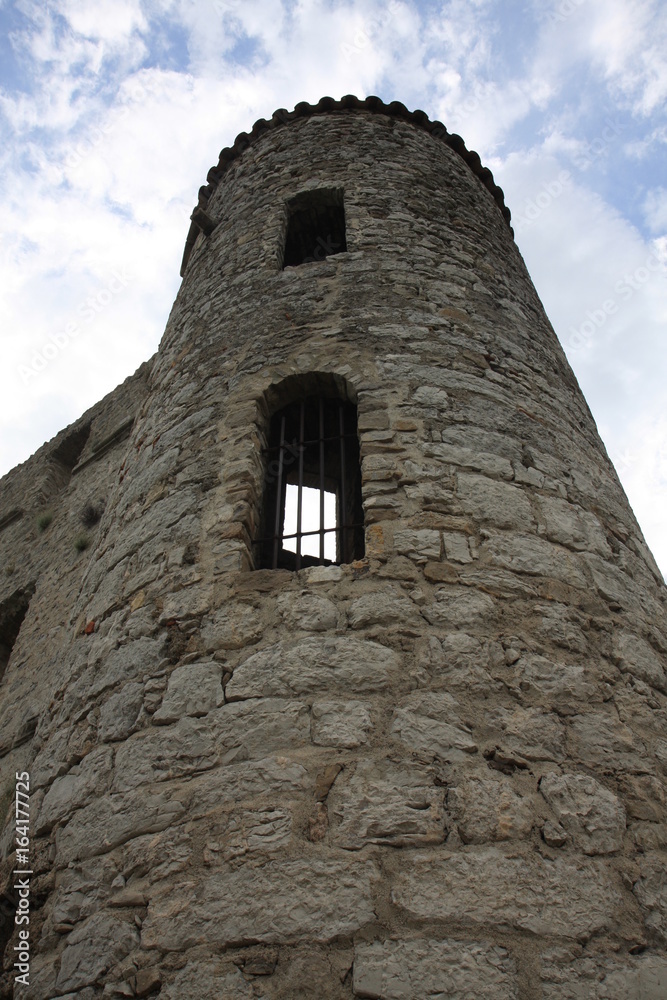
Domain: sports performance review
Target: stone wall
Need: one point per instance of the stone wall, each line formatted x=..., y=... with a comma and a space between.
x=439, y=770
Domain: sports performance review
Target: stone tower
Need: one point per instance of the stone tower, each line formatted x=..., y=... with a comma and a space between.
x=416, y=750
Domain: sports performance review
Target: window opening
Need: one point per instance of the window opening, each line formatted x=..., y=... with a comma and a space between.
x=12, y=613
x=315, y=227
x=312, y=502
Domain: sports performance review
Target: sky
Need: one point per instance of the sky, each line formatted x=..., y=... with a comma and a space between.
x=112, y=111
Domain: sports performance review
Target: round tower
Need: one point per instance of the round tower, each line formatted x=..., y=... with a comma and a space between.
x=369, y=657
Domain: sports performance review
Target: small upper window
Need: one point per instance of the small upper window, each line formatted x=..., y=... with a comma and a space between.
x=312, y=511
x=315, y=226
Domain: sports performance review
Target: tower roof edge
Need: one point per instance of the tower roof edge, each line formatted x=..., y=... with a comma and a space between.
x=328, y=105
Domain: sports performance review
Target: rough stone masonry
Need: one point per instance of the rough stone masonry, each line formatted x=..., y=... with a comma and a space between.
x=438, y=770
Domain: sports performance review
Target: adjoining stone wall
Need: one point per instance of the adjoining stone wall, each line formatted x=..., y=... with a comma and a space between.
x=437, y=770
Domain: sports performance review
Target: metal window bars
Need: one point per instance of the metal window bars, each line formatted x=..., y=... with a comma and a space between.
x=312, y=444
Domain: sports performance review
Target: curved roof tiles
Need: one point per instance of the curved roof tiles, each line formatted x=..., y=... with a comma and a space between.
x=282, y=117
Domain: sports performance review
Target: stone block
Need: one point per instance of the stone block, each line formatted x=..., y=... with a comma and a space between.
x=234, y=834
x=564, y=686
x=93, y=948
x=488, y=809
x=279, y=902
x=111, y=820
x=209, y=979
x=529, y=732
x=430, y=723
x=340, y=723
x=153, y=755
x=481, y=886
x=491, y=501
x=75, y=789
x=571, y=526
x=650, y=890
x=270, y=778
x=535, y=557
x=601, y=739
x=194, y=689
x=308, y=612
x=634, y=656
x=567, y=977
x=312, y=665
x=119, y=713
x=459, y=608
x=233, y=626
x=457, y=970
x=591, y=814
x=383, y=803
x=259, y=726
x=381, y=608
x=419, y=545
x=456, y=546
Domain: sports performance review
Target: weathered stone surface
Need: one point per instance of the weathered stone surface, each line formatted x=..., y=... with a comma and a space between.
x=634, y=655
x=459, y=609
x=564, y=686
x=485, y=809
x=236, y=834
x=119, y=713
x=308, y=612
x=530, y=732
x=233, y=627
x=278, y=902
x=382, y=803
x=111, y=820
x=572, y=899
x=462, y=662
x=194, y=689
x=419, y=545
x=536, y=557
x=645, y=796
x=207, y=980
x=340, y=723
x=93, y=948
x=558, y=623
x=260, y=725
x=75, y=789
x=568, y=525
x=651, y=893
x=592, y=815
x=457, y=548
x=494, y=502
x=313, y=665
x=431, y=723
x=168, y=752
x=600, y=738
x=381, y=609
x=404, y=970
x=223, y=788
x=640, y=977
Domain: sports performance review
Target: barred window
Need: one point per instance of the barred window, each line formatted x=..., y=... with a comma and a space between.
x=315, y=226
x=312, y=512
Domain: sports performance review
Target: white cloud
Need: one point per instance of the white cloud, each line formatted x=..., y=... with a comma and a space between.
x=655, y=210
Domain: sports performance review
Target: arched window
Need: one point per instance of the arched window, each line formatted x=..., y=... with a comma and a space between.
x=312, y=513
